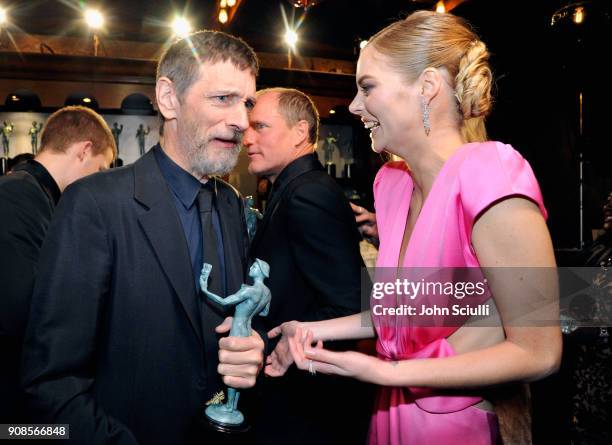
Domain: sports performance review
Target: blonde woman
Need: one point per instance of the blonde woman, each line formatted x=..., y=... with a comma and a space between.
x=454, y=200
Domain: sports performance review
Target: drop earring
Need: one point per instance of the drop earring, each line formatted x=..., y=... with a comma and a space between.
x=425, y=112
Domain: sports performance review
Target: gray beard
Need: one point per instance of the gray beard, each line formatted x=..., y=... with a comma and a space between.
x=203, y=163
x=201, y=159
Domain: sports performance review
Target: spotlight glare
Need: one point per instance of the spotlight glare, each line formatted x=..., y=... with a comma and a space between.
x=181, y=27
x=332, y=111
x=291, y=38
x=231, y=3
x=440, y=7
x=2, y=16
x=223, y=3
x=363, y=44
x=223, y=16
x=579, y=15
x=94, y=19
x=86, y=100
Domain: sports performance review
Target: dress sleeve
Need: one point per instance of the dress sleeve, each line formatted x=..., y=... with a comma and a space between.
x=491, y=173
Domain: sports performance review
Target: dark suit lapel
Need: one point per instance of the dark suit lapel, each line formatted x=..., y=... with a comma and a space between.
x=293, y=171
x=162, y=227
x=263, y=224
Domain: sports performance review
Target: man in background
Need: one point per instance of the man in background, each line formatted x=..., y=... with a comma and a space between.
x=75, y=142
x=309, y=238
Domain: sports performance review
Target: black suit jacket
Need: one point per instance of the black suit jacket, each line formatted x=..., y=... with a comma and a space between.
x=27, y=200
x=116, y=346
x=310, y=239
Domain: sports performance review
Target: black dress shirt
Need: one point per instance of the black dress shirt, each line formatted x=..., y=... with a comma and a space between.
x=185, y=188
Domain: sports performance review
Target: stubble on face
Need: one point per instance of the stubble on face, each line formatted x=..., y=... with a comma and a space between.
x=202, y=158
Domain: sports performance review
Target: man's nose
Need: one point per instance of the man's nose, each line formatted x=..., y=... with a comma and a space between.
x=247, y=139
x=239, y=118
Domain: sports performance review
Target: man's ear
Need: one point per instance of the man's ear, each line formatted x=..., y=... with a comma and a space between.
x=167, y=100
x=300, y=133
x=82, y=150
x=431, y=83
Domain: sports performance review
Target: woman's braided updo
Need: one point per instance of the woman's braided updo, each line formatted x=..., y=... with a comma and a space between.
x=444, y=41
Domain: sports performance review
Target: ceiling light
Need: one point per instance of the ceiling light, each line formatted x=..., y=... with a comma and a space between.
x=94, y=18
x=231, y=3
x=579, y=15
x=223, y=16
x=181, y=27
x=291, y=38
x=3, y=16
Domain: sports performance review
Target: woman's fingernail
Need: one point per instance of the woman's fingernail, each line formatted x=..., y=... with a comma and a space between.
x=310, y=352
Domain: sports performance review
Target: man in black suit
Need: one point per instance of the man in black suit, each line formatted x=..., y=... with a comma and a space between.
x=75, y=142
x=310, y=239
x=121, y=345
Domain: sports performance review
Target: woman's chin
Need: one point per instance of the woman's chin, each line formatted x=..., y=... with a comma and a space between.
x=377, y=148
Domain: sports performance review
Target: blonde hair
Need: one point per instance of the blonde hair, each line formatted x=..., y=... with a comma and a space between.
x=429, y=39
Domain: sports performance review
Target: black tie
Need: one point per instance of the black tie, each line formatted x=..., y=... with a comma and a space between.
x=210, y=254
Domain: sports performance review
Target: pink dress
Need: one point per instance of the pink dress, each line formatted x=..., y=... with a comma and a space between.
x=474, y=177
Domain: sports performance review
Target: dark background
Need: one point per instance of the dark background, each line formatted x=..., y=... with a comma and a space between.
x=540, y=70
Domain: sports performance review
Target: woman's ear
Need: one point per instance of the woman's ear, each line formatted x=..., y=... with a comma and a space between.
x=431, y=83
x=167, y=100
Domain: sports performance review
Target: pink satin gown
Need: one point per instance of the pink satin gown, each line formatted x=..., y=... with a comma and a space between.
x=476, y=176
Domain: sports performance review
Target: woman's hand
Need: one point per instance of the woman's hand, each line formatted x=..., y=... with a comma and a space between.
x=279, y=361
x=316, y=359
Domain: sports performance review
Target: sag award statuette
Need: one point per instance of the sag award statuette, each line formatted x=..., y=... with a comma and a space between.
x=7, y=131
x=141, y=135
x=249, y=301
x=251, y=215
x=33, y=132
x=330, y=147
x=116, y=130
